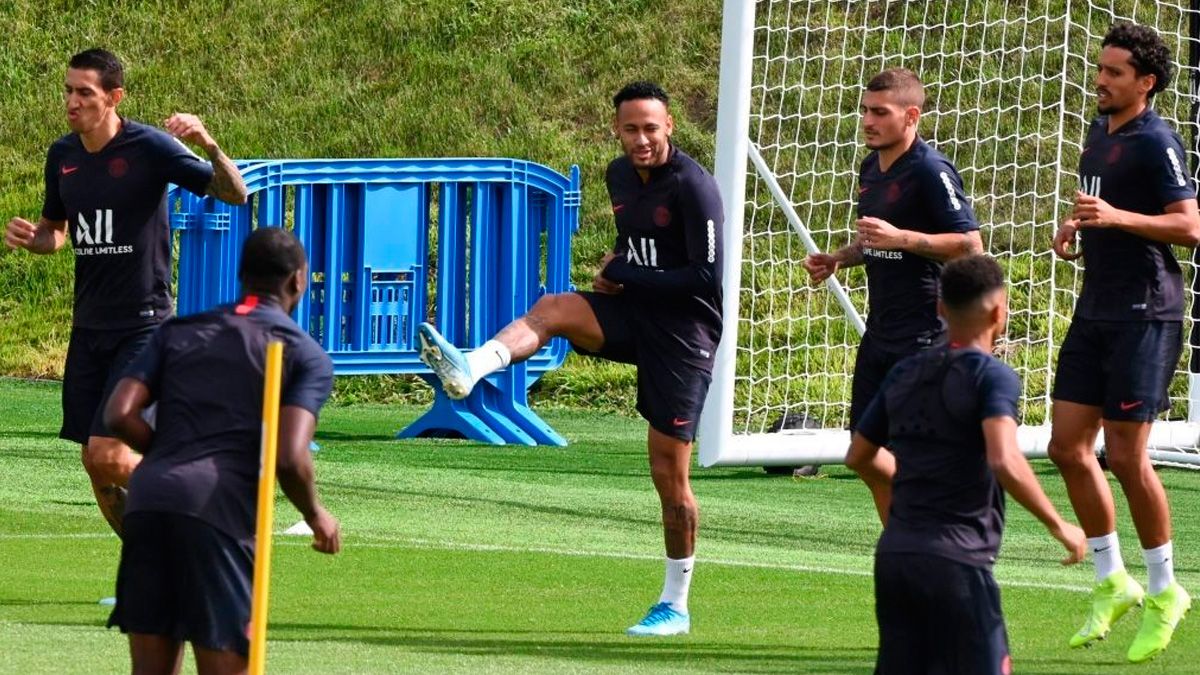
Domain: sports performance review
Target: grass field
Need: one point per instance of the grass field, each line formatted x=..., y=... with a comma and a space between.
x=461, y=557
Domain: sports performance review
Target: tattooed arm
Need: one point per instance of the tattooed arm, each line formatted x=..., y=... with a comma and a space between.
x=226, y=184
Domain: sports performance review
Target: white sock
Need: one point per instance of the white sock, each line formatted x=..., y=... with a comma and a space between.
x=677, y=582
x=1160, y=564
x=489, y=358
x=1106, y=554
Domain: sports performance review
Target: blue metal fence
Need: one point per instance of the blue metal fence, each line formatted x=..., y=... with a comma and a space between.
x=475, y=240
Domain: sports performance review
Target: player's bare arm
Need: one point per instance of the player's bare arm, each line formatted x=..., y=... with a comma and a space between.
x=123, y=413
x=876, y=466
x=227, y=184
x=821, y=266
x=880, y=234
x=1179, y=224
x=296, y=477
x=44, y=237
x=1014, y=474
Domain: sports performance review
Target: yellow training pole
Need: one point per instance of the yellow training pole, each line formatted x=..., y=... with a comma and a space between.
x=266, y=510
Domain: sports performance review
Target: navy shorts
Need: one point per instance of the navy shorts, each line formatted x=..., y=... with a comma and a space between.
x=938, y=616
x=871, y=364
x=96, y=359
x=184, y=579
x=672, y=374
x=1124, y=367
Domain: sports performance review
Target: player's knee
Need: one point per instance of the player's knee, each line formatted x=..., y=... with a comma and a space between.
x=1067, y=455
x=680, y=514
x=1126, y=465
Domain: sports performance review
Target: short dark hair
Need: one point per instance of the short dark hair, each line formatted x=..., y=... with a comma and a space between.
x=104, y=62
x=903, y=82
x=269, y=256
x=1147, y=53
x=635, y=91
x=966, y=280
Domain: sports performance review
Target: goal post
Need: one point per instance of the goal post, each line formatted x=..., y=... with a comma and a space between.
x=1009, y=87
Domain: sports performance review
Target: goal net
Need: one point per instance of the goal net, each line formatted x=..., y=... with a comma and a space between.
x=1010, y=94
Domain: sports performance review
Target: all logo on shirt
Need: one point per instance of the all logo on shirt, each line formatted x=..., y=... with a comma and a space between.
x=648, y=250
x=96, y=237
x=1090, y=185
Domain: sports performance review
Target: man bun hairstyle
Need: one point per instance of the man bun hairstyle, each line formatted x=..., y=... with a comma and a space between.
x=640, y=90
x=967, y=280
x=904, y=85
x=1147, y=53
x=269, y=256
x=104, y=62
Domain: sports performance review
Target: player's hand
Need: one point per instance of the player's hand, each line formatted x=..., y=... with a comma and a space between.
x=19, y=233
x=1073, y=539
x=820, y=266
x=327, y=536
x=1064, y=240
x=189, y=128
x=1094, y=212
x=600, y=283
x=880, y=234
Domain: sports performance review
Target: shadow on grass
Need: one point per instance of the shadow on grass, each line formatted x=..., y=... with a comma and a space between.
x=601, y=647
x=29, y=434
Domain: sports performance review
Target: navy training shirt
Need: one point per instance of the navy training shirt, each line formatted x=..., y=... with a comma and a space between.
x=1141, y=167
x=669, y=246
x=929, y=413
x=115, y=205
x=920, y=192
x=206, y=373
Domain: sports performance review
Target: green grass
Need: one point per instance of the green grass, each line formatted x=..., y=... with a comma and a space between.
x=461, y=557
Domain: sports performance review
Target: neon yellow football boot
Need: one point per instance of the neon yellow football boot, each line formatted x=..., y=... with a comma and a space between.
x=1163, y=613
x=1111, y=599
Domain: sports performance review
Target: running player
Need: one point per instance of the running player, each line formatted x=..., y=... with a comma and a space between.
x=656, y=303
x=106, y=184
x=187, y=557
x=1137, y=198
x=913, y=215
x=949, y=417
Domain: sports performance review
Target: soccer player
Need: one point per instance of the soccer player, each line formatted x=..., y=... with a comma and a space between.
x=106, y=187
x=187, y=557
x=655, y=303
x=948, y=417
x=913, y=215
x=1137, y=199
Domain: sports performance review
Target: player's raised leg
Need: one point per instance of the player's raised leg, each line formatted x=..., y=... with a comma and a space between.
x=670, y=459
x=564, y=314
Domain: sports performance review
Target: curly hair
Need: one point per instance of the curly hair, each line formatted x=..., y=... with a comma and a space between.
x=1147, y=53
x=635, y=91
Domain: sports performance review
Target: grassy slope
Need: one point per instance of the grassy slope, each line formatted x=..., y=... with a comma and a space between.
x=462, y=557
x=434, y=78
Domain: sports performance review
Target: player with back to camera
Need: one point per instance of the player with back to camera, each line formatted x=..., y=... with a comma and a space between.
x=1136, y=199
x=106, y=187
x=187, y=558
x=948, y=417
x=913, y=216
x=655, y=303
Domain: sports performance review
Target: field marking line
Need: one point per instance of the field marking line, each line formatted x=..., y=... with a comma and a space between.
x=383, y=541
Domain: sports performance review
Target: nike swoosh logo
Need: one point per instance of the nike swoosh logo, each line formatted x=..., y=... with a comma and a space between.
x=68, y=170
x=617, y=207
x=862, y=190
x=1101, y=550
x=1129, y=406
x=687, y=570
x=678, y=422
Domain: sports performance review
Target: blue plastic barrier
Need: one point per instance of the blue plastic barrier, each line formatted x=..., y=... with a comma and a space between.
x=389, y=238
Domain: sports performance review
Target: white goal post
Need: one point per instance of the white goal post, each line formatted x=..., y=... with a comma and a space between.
x=1009, y=87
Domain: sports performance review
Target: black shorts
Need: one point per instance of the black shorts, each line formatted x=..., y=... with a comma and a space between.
x=939, y=616
x=673, y=375
x=96, y=359
x=184, y=579
x=871, y=365
x=1124, y=367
